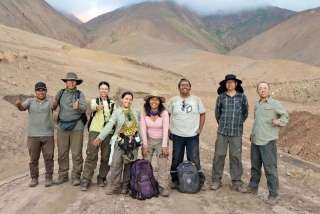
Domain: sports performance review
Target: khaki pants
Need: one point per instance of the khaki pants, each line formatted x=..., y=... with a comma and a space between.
x=92, y=151
x=35, y=146
x=162, y=170
x=70, y=140
x=119, y=169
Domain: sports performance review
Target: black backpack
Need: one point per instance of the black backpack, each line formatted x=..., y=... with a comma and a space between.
x=188, y=178
x=111, y=108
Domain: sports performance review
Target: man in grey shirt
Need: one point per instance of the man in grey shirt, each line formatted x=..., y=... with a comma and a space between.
x=71, y=122
x=40, y=132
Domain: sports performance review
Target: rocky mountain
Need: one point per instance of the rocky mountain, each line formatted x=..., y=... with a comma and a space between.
x=39, y=17
x=150, y=23
x=236, y=28
x=295, y=39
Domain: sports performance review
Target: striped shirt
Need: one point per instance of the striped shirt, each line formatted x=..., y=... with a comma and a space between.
x=230, y=113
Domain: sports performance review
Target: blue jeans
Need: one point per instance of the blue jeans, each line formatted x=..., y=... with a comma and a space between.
x=180, y=144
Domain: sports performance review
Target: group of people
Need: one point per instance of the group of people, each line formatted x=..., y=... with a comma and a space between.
x=118, y=132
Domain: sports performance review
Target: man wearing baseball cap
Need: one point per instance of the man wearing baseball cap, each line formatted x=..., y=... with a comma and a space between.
x=40, y=132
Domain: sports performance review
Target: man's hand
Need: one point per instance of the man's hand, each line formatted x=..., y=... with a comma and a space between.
x=100, y=107
x=97, y=142
x=76, y=105
x=19, y=104
x=18, y=101
x=276, y=122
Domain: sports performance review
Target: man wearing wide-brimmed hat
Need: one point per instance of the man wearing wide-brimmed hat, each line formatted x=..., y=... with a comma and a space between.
x=231, y=111
x=71, y=122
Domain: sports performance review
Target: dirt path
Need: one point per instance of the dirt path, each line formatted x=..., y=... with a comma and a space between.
x=300, y=193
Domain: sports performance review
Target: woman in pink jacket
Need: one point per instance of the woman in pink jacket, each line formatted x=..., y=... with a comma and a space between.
x=154, y=124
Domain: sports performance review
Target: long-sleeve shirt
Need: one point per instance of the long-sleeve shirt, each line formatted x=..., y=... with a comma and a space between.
x=67, y=113
x=230, y=113
x=264, y=130
x=157, y=129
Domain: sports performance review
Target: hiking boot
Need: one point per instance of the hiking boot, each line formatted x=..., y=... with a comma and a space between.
x=272, y=199
x=101, y=182
x=111, y=191
x=61, y=180
x=124, y=191
x=251, y=190
x=215, y=186
x=48, y=182
x=164, y=192
x=174, y=185
x=34, y=182
x=75, y=182
x=238, y=188
x=84, y=185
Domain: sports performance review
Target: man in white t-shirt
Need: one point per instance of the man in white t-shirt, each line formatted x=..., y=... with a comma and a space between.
x=187, y=117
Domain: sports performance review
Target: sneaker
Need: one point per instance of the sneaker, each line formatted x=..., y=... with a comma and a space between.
x=75, y=182
x=34, y=182
x=272, y=199
x=84, y=185
x=61, y=180
x=215, y=186
x=101, y=182
x=238, y=188
x=251, y=190
x=48, y=182
x=111, y=191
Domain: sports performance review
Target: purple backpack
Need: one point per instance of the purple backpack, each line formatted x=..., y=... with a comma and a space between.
x=143, y=185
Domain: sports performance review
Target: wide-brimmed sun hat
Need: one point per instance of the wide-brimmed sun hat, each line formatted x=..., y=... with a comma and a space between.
x=228, y=77
x=155, y=94
x=72, y=76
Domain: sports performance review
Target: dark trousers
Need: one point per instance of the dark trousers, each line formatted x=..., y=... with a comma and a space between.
x=235, y=151
x=191, y=144
x=35, y=146
x=266, y=155
x=92, y=152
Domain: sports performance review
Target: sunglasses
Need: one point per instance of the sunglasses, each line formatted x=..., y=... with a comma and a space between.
x=183, y=105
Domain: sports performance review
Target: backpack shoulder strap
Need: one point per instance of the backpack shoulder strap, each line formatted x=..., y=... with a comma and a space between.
x=110, y=105
x=60, y=95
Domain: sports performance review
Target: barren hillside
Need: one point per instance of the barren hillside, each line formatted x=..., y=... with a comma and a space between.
x=39, y=17
x=164, y=21
x=295, y=39
x=236, y=28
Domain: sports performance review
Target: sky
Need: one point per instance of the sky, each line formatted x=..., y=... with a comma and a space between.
x=88, y=9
